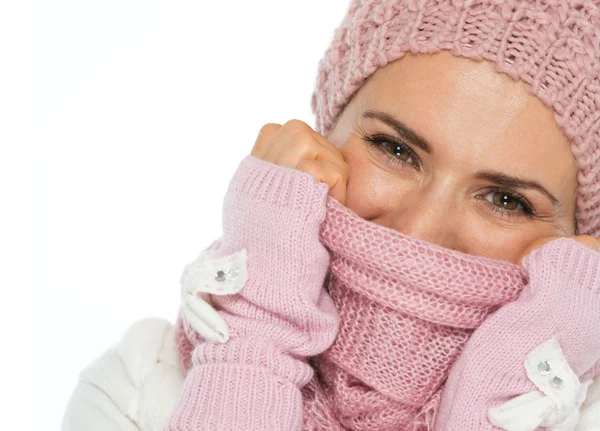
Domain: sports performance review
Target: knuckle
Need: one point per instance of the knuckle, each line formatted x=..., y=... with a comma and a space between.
x=303, y=139
x=265, y=135
x=296, y=125
x=303, y=142
x=269, y=128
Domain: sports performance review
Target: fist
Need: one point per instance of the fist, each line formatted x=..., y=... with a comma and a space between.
x=296, y=145
x=586, y=240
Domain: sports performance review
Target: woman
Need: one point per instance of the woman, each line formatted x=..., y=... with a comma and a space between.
x=451, y=281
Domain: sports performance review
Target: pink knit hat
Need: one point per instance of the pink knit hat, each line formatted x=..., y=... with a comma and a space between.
x=552, y=45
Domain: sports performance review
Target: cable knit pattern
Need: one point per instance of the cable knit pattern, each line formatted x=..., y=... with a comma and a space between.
x=551, y=45
x=406, y=307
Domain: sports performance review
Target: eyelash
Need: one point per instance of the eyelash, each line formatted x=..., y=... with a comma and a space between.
x=526, y=211
x=376, y=141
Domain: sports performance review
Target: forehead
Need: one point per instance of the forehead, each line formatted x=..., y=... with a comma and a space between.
x=472, y=114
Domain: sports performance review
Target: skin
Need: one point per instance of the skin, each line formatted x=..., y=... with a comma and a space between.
x=475, y=120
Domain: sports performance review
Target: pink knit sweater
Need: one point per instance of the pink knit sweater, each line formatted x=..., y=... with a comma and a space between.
x=283, y=320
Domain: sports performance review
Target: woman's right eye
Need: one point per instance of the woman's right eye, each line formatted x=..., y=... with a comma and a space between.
x=395, y=150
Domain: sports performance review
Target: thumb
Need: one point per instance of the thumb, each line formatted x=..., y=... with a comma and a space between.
x=339, y=190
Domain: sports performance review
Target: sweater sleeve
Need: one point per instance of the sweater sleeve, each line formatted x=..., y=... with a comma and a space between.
x=281, y=315
x=550, y=332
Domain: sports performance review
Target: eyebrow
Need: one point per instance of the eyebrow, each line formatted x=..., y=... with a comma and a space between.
x=401, y=129
x=520, y=183
x=495, y=177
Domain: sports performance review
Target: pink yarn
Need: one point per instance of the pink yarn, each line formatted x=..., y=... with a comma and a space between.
x=344, y=324
x=551, y=45
x=407, y=308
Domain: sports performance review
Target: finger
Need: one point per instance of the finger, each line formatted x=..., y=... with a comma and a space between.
x=328, y=144
x=301, y=146
x=205, y=319
x=264, y=139
x=328, y=173
x=331, y=152
x=282, y=138
x=339, y=190
x=293, y=126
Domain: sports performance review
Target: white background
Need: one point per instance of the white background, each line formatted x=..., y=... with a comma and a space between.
x=141, y=111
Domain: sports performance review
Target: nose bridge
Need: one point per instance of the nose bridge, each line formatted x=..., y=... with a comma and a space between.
x=430, y=215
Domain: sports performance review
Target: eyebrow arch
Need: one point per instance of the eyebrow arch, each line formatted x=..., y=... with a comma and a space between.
x=495, y=177
x=401, y=129
x=507, y=181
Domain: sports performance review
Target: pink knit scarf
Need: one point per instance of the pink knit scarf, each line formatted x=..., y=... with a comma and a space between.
x=407, y=308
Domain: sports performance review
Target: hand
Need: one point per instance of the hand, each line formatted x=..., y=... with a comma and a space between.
x=559, y=304
x=586, y=240
x=297, y=146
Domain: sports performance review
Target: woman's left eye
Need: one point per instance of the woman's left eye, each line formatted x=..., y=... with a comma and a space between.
x=509, y=203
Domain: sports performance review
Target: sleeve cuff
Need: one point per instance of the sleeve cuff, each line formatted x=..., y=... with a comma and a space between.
x=234, y=397
x=285, y=187
x=568, y=259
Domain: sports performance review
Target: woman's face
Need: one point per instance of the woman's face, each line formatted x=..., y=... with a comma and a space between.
x=449, y=151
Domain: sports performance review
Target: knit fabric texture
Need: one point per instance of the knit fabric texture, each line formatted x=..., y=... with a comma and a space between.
x=407, y=308
x=551, y=45
x=561, y=301
x=343, y=324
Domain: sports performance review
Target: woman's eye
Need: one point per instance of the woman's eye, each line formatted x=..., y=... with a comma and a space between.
x=398, y=150
x=504, y=200
x=395, y=151
x=509, y=204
